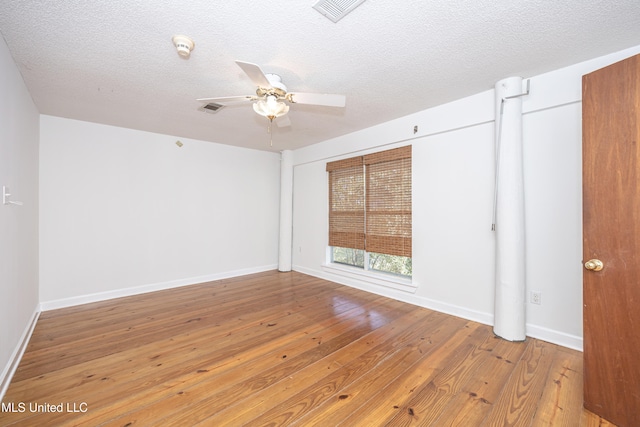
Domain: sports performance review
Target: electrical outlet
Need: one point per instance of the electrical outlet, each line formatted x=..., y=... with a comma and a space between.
x=536, y=297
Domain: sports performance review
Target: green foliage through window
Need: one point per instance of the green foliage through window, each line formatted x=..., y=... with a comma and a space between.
x=348, y=256
x=377, y=262
x=390, y=264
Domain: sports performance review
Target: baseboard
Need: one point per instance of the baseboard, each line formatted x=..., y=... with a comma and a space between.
x=119, y=293
x=555, y=337
x=16, y=356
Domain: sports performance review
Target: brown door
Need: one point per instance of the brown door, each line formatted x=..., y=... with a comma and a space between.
x=611, y=234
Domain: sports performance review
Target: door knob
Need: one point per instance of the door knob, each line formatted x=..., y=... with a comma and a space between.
x=594, y=265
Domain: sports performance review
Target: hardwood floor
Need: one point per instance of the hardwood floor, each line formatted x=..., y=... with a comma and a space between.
x=275, y=349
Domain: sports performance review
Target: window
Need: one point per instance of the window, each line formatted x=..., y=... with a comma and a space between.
x=370, y=211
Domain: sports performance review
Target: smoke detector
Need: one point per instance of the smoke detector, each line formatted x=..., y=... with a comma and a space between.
x=184, y=45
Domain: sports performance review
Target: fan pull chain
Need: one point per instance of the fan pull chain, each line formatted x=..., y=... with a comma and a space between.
x=270, y=133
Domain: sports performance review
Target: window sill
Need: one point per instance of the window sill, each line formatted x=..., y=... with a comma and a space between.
x=370, y=277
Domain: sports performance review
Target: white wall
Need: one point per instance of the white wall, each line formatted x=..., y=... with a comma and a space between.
x=19, y=120
x=125, y=211
x=453, y=181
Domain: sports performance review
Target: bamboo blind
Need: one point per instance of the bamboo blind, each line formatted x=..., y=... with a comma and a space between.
x=346, y=203
x=370, y=202
x=388, y=202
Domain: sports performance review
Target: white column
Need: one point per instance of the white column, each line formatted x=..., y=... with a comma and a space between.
x=510, y=291
x=286, y=210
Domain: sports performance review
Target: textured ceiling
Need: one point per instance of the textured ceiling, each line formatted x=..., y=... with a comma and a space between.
x=113, y=62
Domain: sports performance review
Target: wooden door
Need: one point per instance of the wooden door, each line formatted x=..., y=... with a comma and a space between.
x=611, y=233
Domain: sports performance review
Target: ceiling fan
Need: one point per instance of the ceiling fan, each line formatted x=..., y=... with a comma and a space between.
x=272, y=99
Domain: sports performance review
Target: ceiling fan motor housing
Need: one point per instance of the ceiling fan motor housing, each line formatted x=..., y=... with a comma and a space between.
x=277, y=87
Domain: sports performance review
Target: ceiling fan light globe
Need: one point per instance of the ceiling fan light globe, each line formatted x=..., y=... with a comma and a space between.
x=271, y=108
x=281, y=109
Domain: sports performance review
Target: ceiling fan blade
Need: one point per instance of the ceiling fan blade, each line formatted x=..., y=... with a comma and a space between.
x=255, y=73
x=282, y=121
x=326, y=99
x=229, y=98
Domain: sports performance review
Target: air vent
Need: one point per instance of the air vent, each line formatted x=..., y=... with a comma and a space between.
x=335, y=10
x=212, y=107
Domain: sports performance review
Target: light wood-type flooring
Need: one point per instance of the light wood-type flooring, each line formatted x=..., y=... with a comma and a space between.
x=280, y=349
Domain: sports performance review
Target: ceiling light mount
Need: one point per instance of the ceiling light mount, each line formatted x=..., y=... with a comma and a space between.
x=184, y=45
